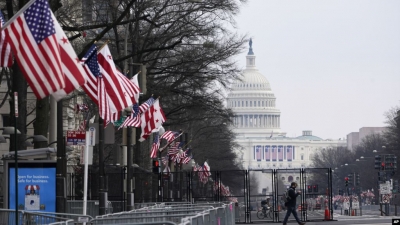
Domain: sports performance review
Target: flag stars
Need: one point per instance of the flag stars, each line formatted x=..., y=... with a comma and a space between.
x=64, y=40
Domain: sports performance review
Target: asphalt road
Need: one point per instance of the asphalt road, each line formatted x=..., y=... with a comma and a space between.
x=367, y=218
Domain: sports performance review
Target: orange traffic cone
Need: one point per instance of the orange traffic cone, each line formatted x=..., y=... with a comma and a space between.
x=352, y=213
x=327, y=213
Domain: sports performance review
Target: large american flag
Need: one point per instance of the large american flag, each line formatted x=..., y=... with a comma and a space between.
x=274, y=152
x=289, y=153
x=267, y=153
x=152, y=119
x=155, y=146
x=257, y=153
x=43, y=52
x=5, y=48
x=92, y=69
x=280, y=153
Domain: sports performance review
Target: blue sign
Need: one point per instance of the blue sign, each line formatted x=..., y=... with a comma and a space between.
x=36, y=189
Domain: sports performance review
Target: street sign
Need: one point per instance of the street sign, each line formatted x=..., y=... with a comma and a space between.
x=355, y=205
x=346, y=203
x=385, y=198
x=385, y=188
x=92, y=136
x=120, y=121
x=76, y=137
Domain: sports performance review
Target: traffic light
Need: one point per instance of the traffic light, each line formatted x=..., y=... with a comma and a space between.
x=382, y=166
x=340, y=192
x=358, y=179
x=377, y=162
x=395, y=186
x=315, y=188
x=390, y=162
x=351, y=178
x=309, y=189
x=381, y=176
x=346, y=181
x=156, y=166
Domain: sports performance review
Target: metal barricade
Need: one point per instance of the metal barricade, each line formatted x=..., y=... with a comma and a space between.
x=7, y=216
x=182, y=213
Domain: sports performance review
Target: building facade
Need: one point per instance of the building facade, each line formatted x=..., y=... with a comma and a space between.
x=264, y=145
x=355, y=138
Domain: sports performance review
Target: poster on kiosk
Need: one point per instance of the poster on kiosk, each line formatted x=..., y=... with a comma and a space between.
x=36, y=187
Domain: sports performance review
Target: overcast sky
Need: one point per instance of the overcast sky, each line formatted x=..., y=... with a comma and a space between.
x=334, y=66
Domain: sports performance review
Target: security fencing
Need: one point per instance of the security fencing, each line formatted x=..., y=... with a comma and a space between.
x=173, y=213
x=7, y=217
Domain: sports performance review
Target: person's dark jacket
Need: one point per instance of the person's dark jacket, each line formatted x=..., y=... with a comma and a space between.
x=293, y=195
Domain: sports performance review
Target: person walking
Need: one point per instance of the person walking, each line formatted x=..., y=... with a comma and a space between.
x=291, y=204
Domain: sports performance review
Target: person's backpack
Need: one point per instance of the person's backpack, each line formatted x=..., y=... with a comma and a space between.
x=285, y=196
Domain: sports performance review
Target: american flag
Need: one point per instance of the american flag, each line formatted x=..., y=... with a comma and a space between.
x=188, y=156
x=81, y=108
x=173, y=148
x=289, y=153
x=146, y=105
x=131, y=89
x=180, y=156
x=82, y=126
x=267, y=153
x=165, y=160
x=118, y=96
x=206, y=169
x=152, y=119
x=257, y=152
x=274, y=153
x=43, y=52
x=6, y=58
x=280, y=153
x=169, y=135
x=155, y=146
x=134, y=119
x=92, y=69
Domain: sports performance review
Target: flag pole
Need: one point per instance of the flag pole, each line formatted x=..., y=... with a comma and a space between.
x=168, y=144
x=103, y=46
x=17, y=14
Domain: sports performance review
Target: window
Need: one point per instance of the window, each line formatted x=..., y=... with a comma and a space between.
x=283, y=178
x=290, y=178
x=6, y=120
x=297, y=178
x=302, y=156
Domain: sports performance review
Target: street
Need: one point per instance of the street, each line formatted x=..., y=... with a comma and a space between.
x=368, y=217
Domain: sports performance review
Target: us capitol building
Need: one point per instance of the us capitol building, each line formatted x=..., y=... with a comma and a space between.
x=257, y=126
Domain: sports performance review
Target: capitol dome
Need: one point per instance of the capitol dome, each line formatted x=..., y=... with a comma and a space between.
x=254, y=103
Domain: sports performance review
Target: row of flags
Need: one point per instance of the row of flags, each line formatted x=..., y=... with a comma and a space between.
x=34, y=38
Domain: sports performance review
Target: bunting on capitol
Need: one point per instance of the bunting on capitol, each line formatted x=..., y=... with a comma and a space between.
x=43, y=52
